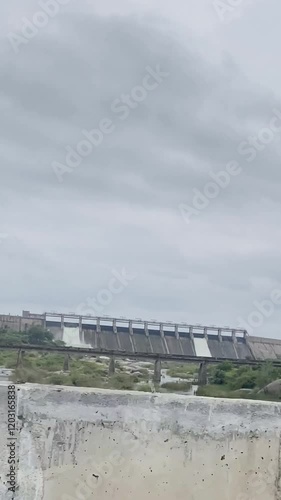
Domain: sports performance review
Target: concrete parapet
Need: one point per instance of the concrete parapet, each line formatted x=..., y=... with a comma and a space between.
x=74, y=442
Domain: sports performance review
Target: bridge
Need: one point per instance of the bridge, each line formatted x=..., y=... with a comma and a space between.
x=149, y=356
x=136, y=355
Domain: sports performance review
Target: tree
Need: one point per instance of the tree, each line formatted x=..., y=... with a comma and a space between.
x=36, y=335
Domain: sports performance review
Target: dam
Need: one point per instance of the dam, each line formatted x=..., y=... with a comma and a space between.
x=83, y=444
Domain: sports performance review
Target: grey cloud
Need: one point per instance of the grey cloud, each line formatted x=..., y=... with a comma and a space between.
x=119, y=208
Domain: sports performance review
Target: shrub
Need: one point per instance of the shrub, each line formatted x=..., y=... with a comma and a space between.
x=267, y=373
x=185, y=370
x=121, y=381
x=51, y=362
x=23, y=374
x=177, y=386
x=226, y=366
x=57, y=379
x=144, y=388
x=244, y=380
x=92, y=368
x=12, y=338
x=219, y=377
x=81, y=380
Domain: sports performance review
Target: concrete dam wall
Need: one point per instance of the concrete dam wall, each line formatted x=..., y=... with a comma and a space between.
x=154, y=341
x=77, y=444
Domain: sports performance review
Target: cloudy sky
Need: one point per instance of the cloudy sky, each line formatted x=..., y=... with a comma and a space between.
x=173, y=95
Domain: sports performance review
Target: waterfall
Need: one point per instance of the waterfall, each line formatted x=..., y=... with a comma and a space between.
x=71, y=337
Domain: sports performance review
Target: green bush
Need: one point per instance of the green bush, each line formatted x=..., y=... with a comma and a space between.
x=12, y=338
x=226, y=366
x=51, y=361
x=8, y=359
x=36, y=335
x=245, y=381
x=144, y=388
x=24, y=374
x=58, y=379
x=185, y=370
x=177, y=386
x=219, y=377
x=245, y=378
x=92, y=368
x=80, y=380
x=121, y=381
x=267, y=373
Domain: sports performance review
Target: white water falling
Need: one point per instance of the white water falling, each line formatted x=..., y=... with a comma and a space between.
x=72, y=338
x=202, y=348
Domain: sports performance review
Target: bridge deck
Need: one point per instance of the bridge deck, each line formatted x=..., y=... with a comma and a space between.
x=139, y=355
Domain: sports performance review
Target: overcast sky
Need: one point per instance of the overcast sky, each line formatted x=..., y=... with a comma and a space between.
x=68, y=229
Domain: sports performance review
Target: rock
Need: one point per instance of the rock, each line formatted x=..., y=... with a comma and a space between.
x=273, y=388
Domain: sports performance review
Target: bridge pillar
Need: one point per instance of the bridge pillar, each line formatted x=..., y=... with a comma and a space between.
x=161, y=328
x=202, y=375
x=131, y=328
x=219, y=335
x=234, y=338
x=19, y=358
x=157, y=371
x=62, y=321
x=177, y=332
x=80, y=325
x=111, y=368
x=66, y=363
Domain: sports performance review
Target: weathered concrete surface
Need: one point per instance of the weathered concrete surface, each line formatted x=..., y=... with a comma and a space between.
x=78, y=444
x=264, y=348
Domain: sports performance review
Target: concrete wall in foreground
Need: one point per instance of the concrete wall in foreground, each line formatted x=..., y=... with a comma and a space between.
x=88, y=444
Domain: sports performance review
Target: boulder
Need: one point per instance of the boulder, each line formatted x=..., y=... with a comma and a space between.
x=273, y=388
